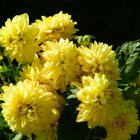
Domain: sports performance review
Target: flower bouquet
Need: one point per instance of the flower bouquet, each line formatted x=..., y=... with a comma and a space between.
x=56, y=85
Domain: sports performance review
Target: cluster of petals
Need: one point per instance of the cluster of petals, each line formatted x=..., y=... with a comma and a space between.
x=18, y=39
x=99, y=58
x=60, y=63
x=29, y=108
x=99, y=99
x=55, y=27
x=125, y=123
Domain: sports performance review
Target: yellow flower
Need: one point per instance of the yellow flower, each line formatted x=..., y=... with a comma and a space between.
x=29, y=108
x=61, y=65
x=33, y=72
x=99, y=99
x=18, y=39
x=125, y=124
x=55, y=27
x=99, y=58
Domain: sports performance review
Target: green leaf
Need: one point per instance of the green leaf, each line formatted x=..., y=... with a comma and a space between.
x=68, y=128
x=133, y=93
x=9, y=71
x=5, y=132
x=3, y=123
x=129, y=60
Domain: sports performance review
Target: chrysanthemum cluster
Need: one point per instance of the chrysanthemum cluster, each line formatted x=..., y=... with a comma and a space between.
x=53, y=62
x=100, y=98
x=102, y=103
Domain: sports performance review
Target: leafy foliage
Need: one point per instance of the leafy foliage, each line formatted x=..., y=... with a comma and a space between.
x=5, y=132
x=9, y=72
x=129, y=59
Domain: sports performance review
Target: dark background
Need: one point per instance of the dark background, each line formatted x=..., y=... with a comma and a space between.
x=110, y=21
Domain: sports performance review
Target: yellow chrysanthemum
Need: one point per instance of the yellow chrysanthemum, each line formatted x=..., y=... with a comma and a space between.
x=99, y=58
x=55, y=27
x=33, y=72
x=61, y=63
x=29, y=108
x=99, y=99
x=125, y=124
x=18, y=39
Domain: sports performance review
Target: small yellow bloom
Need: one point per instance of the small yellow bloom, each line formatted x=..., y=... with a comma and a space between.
x=29, y=108
x=18, y=39
x=33, y=72
x=55, y=27
x=99, y=58
x=125, y=124
x=99, y=99
x=61, y=65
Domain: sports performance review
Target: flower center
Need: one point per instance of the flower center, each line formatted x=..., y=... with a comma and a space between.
x=19, y=38
x=26, y=108
x=121, y=122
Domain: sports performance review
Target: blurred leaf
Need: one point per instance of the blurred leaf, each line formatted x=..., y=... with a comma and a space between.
x=5, y=132
x=9, y=71
x=17, y=137
x=132, y=92
x=68, y=128
x=3, y=123
x=97, y=133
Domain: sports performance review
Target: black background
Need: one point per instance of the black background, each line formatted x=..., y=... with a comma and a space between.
x=110, y=21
